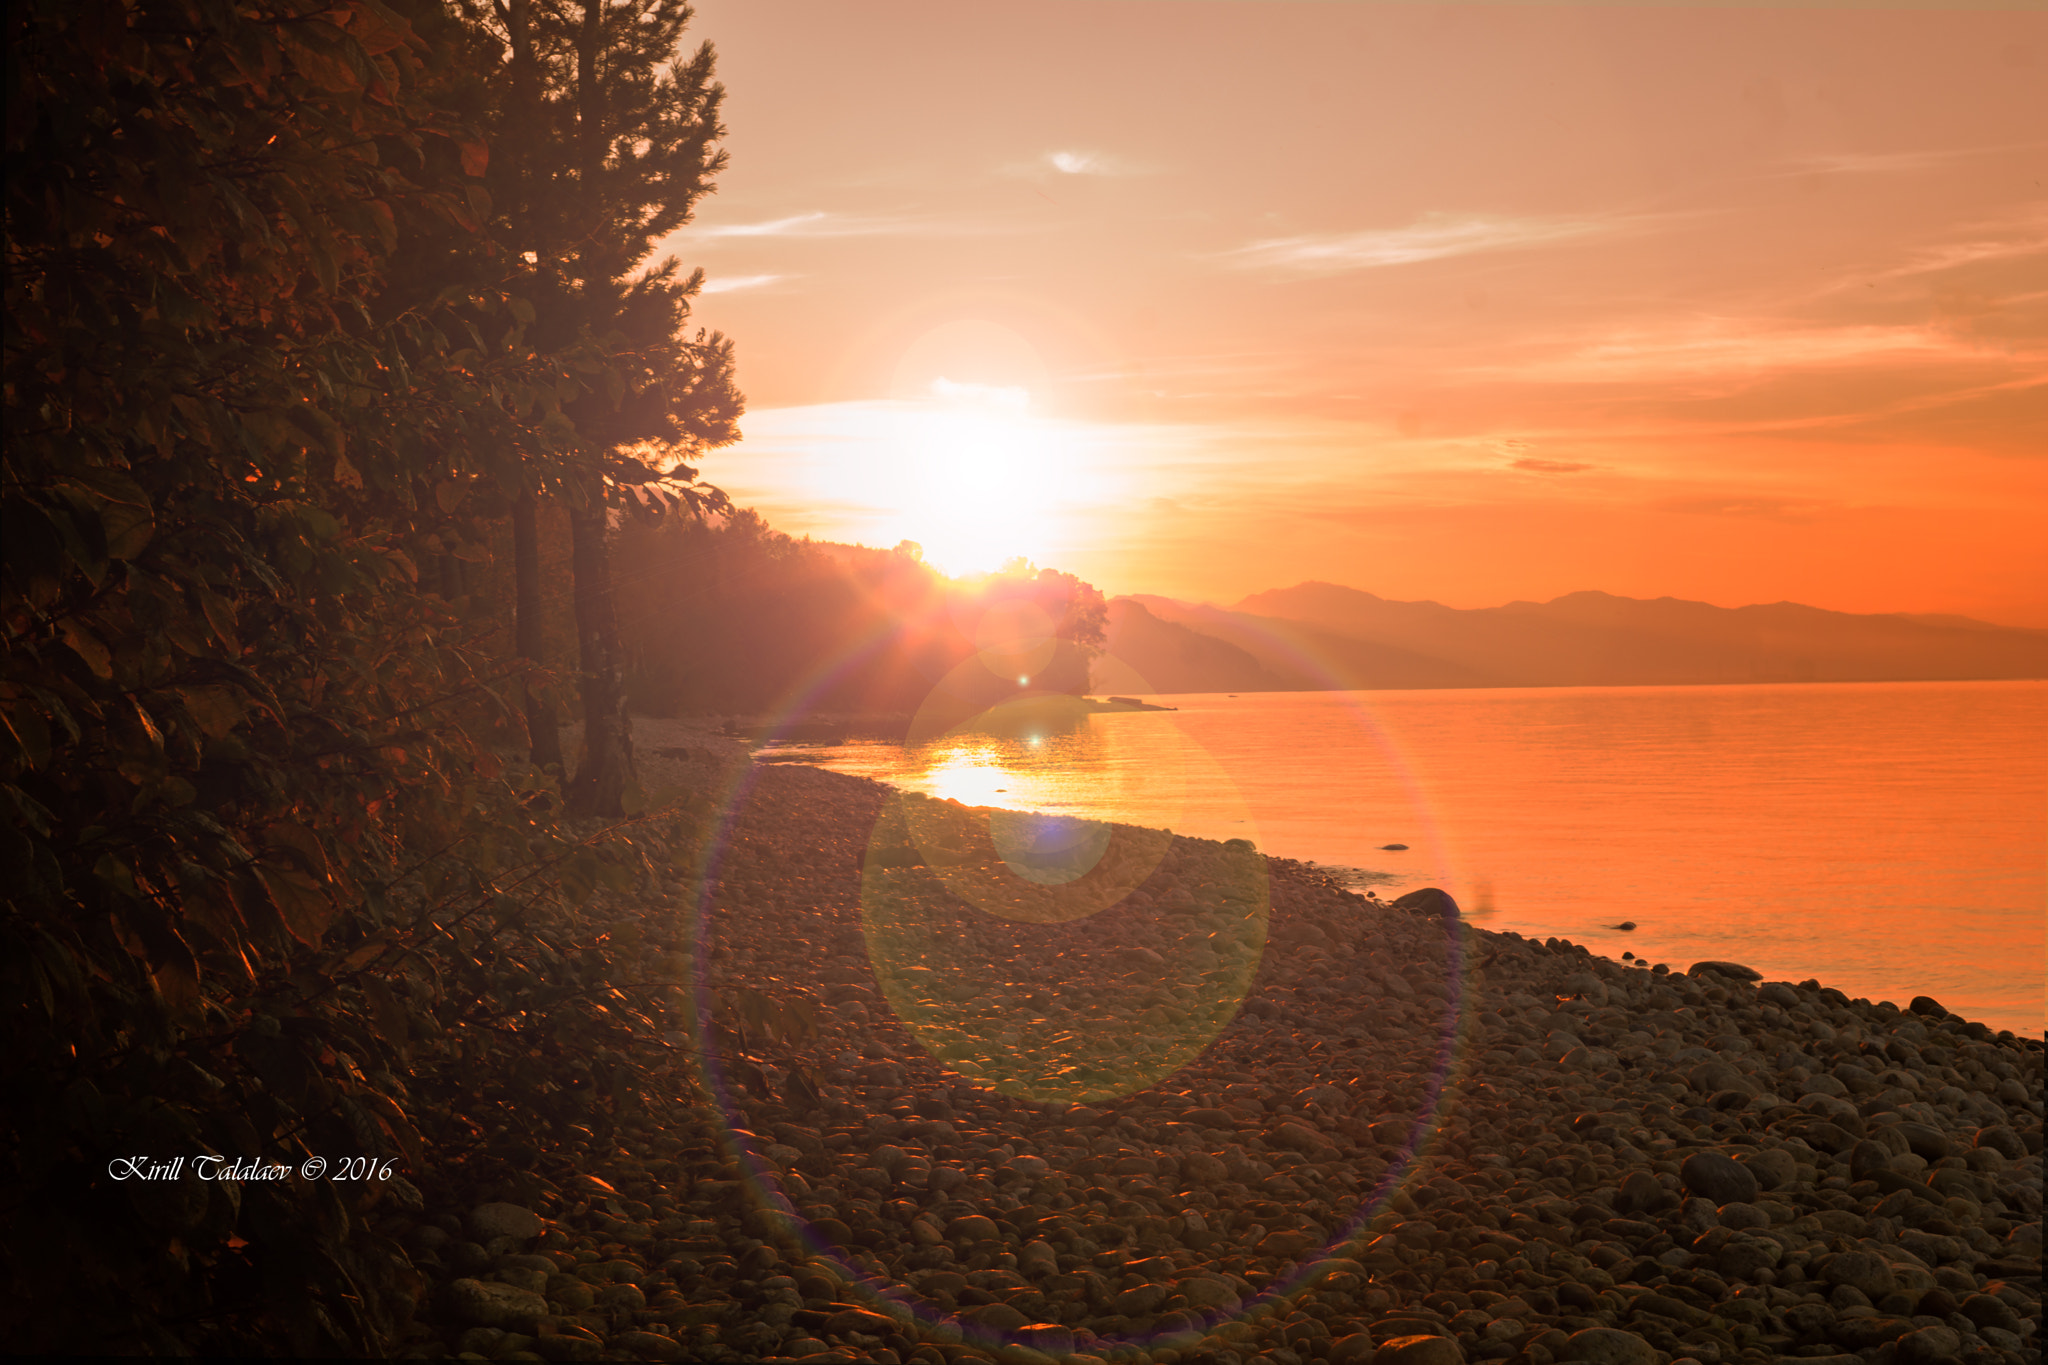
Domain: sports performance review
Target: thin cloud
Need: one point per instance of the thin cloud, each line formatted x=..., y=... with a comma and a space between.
x=728, y=284
x=1697, y=349
x=1007, y=397
x=1770, y=508
x=820, y=224
x=1535, y=466
x=1890, y=163
x=1431, y=237
x=1083, y=163
x=795, y=225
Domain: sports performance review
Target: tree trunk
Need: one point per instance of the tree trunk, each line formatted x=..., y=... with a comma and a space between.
x=543, y=730
x=605, y=774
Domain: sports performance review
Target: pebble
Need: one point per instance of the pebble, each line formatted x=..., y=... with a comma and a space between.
x=504, y=1220
x=1609, y=1346
x=1718, y=1178
x=1420, y=1350
x=1089, y=1149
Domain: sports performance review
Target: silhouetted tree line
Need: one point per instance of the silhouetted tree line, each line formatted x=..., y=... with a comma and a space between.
x=317, y=313
x=729, y=615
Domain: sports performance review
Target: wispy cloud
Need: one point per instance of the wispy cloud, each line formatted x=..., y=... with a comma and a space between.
x=820, y=224
x=727, y=284
x=1004, y=397
x=1740, y=505
x=1891, y=163
x=1535, y=466
x=1050, y=167
x=1085, y=163
x=1705, y=348
x=1429, y=238
x=795, y=225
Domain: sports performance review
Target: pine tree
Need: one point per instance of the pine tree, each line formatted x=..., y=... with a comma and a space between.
x=606, y=139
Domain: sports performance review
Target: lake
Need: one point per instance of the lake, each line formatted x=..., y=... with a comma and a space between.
x=1890, y=839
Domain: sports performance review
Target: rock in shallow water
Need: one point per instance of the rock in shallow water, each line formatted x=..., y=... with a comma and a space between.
x=1731, y=969
x=1429, y=900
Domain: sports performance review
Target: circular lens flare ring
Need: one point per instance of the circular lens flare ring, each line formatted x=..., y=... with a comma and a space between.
x=765, y=1191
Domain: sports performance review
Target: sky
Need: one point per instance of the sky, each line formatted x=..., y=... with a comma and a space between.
x=1457, y=302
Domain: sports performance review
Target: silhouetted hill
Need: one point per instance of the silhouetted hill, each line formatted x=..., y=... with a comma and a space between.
x=1142, y=650
x=1304, y=658
x=1592, y=639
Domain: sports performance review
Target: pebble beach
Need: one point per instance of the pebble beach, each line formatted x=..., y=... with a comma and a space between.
x=976, y=1090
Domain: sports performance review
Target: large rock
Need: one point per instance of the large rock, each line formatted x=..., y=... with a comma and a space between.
x=648, y=1345
x=1733, y=970
x=1641, y=1192
x=1867, y=1158
x=1049, y=1337
x=1720, y=1178
x=1429, y=900
x=2002, y=1140
x=1587, y=985
x=1773, y=1167
x=504, y=1220
x=1302, y=1138
x=1988, y=1310
x=997, y=1317
x=1740, y=1258
x=1609, y=1346
x=1355, y=1349
x=1923, y=1140
x=1205, y=1294
x=1861, y=1270
x=1930, y=1346
x=505, y=1306
x=973, y=1227
x=1426, y=1350
x=1710, y=1078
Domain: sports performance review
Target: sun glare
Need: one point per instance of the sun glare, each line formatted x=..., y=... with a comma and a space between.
x=978, y=479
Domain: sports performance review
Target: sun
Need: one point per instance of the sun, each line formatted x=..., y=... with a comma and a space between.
x=980, y=479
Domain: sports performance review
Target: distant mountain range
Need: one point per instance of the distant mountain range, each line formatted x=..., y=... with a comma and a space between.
x=1318, y=635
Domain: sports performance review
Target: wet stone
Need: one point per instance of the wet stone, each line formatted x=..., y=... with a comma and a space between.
x=1609, y=1346
x=1421, y=1350
x=1717, y=1177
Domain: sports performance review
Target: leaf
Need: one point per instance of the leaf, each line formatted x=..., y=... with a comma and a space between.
x=476, y=159
x=302, y=903
x=449, y=494
x=386, y=1010
x=128, y=528
x=394, y=1122
x=300, y=845
x=87, y=647
x=216, y=710
x=366, y=951
x=220, y=617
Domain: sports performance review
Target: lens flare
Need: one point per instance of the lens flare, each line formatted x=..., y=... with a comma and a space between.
x=1056, y=959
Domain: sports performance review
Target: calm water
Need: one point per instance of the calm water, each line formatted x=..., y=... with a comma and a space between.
x=1888, y=838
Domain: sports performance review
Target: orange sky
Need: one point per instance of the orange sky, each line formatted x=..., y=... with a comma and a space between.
x=1472, y=303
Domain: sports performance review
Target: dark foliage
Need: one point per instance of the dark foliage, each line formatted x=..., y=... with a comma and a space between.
x=734, y=616
x=271, y=894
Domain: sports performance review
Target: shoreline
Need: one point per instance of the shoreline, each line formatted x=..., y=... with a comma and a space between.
x=1777, y=887
x=1623, y=1166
